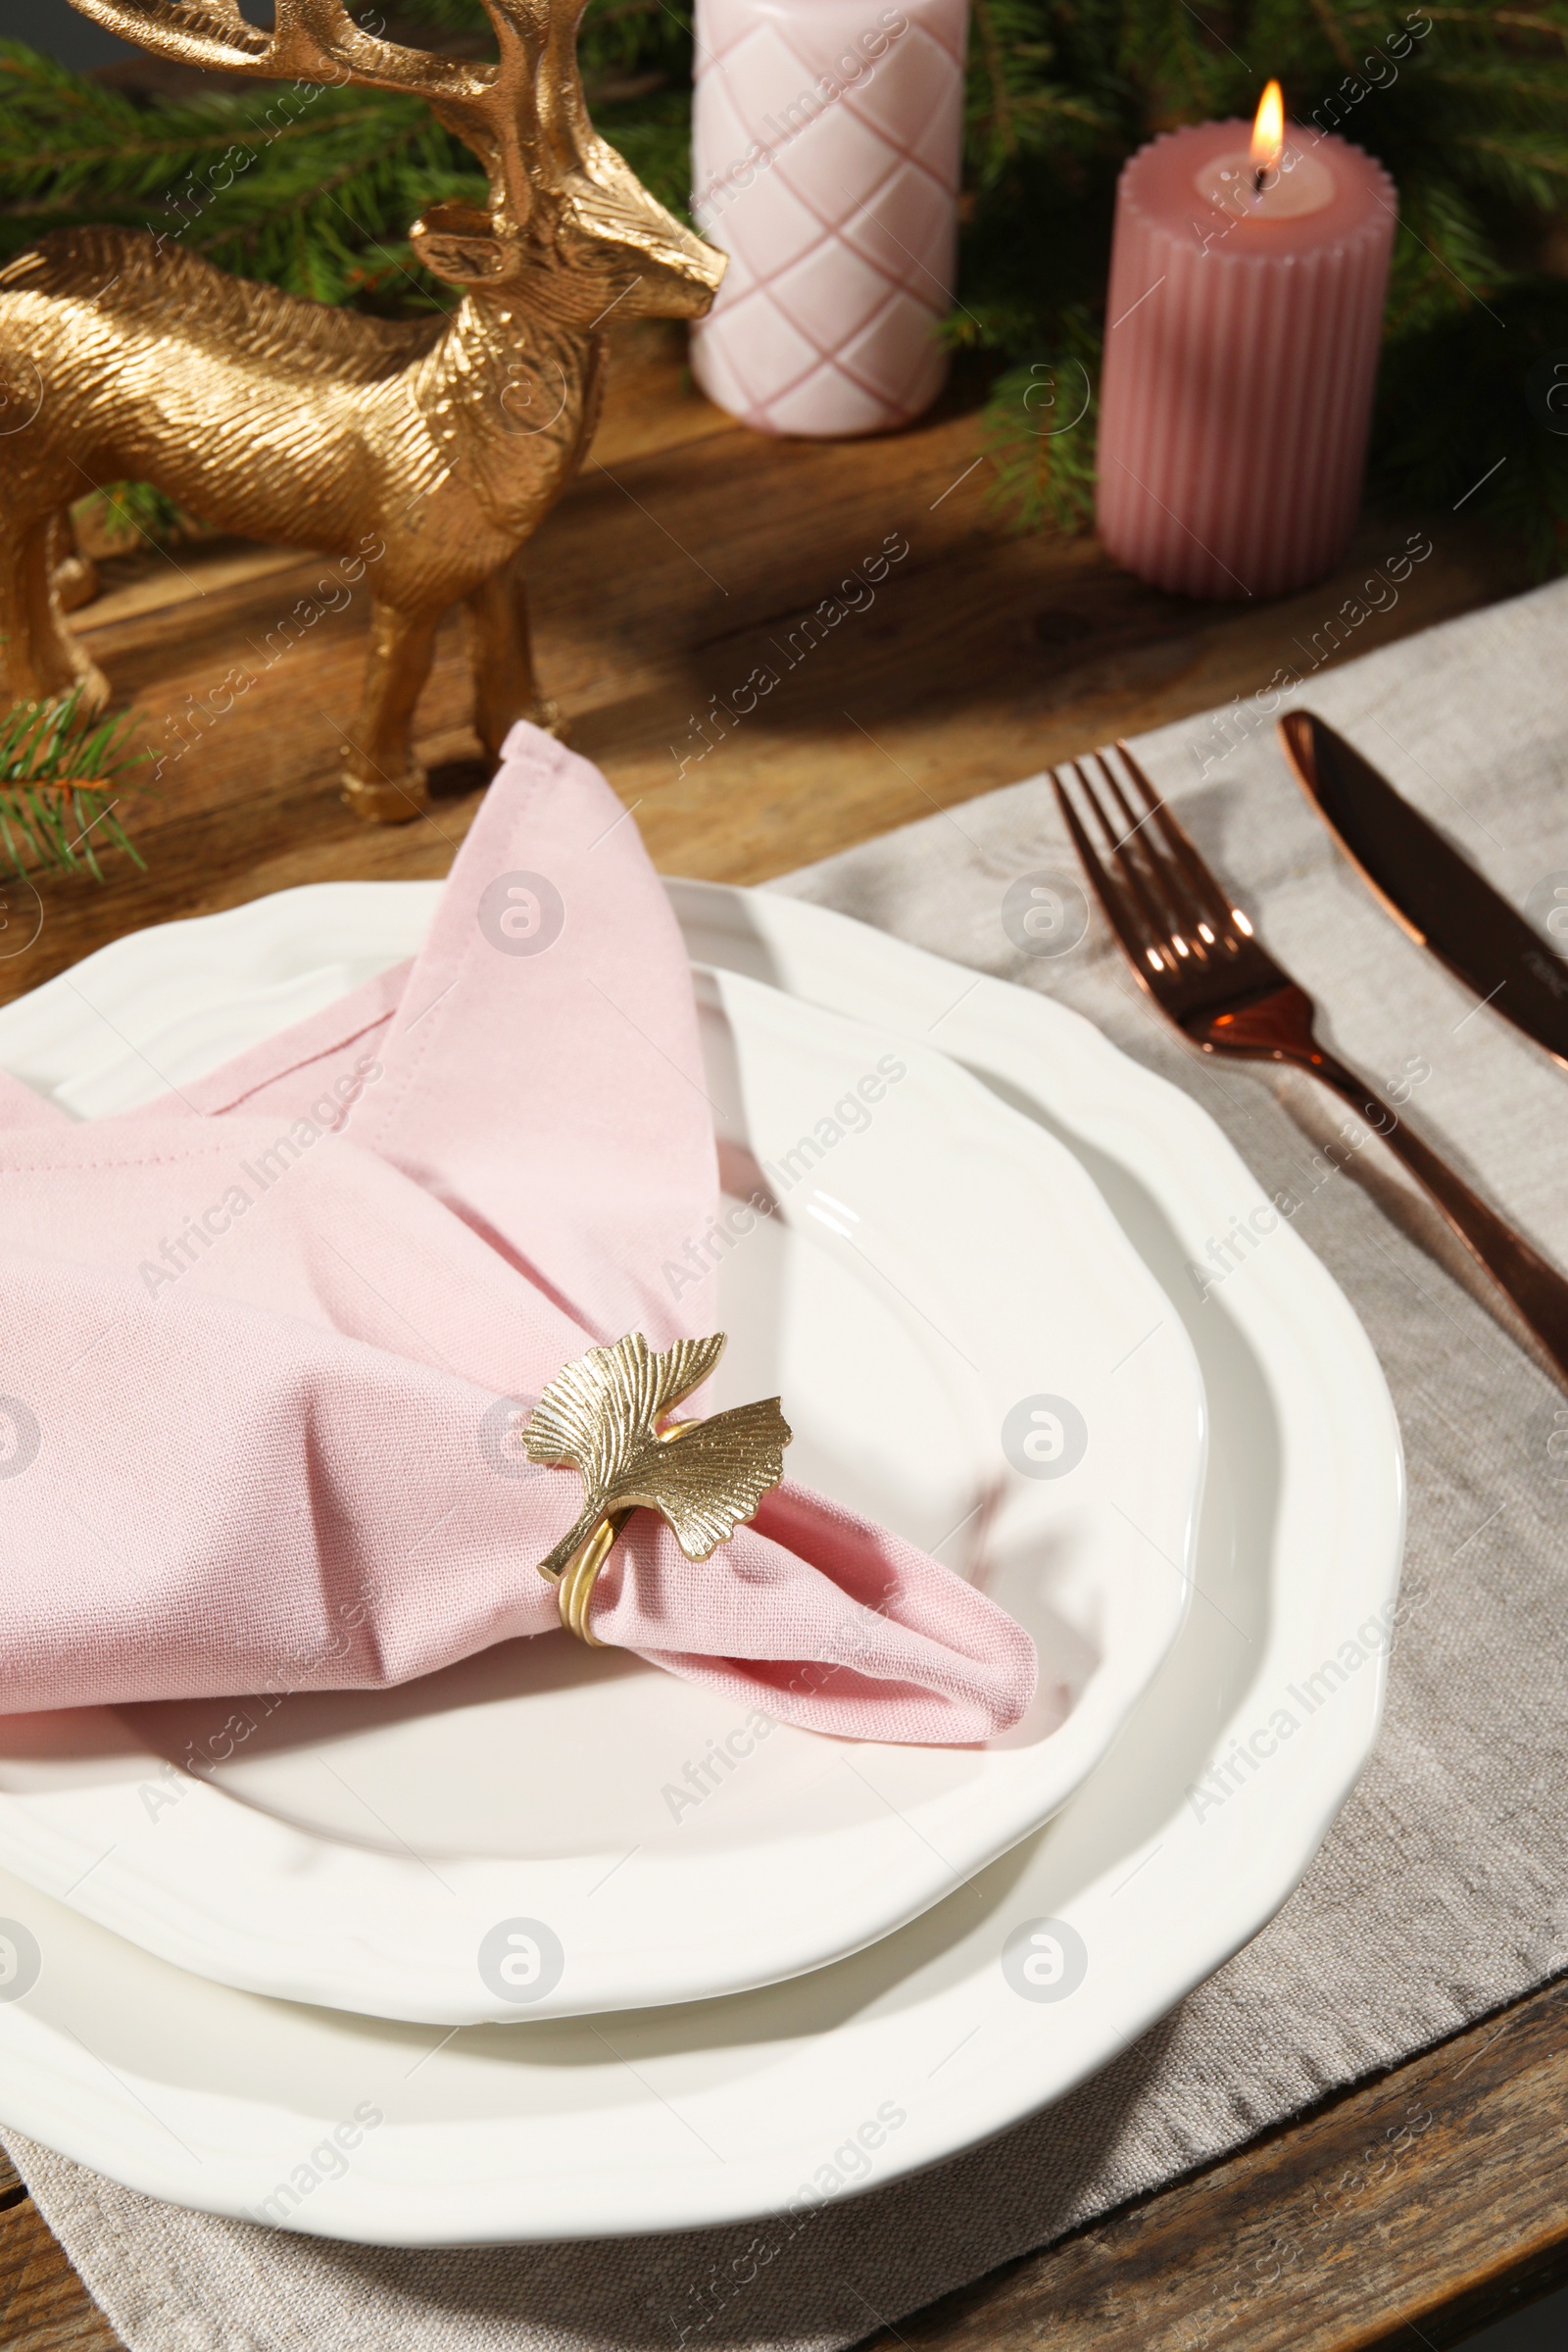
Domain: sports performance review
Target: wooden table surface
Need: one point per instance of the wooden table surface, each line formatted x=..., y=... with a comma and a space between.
x=1407, y=2211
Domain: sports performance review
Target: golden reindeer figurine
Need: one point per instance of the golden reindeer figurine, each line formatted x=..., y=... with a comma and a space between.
x=426, y=452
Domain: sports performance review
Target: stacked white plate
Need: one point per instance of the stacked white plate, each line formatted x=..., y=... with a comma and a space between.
x=555, y=1945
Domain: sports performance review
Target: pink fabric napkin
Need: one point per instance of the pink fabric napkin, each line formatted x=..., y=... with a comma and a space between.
x=271, y=1336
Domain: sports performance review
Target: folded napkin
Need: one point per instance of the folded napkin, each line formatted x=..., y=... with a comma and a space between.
x=271, y=1336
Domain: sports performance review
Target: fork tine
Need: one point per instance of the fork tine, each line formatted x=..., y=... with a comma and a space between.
x=1131, y=821
x=1162, y=908
x=1201, y=877
x=1138, y=855
x=1142, y=943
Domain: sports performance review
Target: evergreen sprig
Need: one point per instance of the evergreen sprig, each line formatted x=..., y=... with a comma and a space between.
x=316, y=194
x=61, y=779
x=311, y=190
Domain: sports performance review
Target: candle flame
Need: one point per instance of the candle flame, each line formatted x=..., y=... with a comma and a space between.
x=1269, y=129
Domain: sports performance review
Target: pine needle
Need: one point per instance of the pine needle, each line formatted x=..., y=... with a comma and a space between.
x=60, y=783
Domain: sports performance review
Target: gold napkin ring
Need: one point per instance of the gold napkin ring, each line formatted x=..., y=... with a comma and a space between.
x=575, y=1591
x=601, y=1414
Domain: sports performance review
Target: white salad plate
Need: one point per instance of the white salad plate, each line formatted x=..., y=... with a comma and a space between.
x=995, y=2001
x=936, y=1270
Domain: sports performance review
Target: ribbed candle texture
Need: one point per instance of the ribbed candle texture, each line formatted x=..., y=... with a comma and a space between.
x=1241, y=360
x=826, y=139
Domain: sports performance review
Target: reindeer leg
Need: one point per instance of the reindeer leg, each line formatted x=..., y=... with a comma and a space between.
x=501, y=648
x=43, y=661
x=75, y=574
x=383, y=781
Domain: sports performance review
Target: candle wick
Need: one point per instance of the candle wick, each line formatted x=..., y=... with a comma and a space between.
x=1258, y=180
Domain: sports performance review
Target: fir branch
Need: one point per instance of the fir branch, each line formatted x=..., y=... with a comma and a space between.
x=142, y=512
x=998, y=116
x=1040, y=432
x=61, y=782
x=299, y=191
x=1335, y=32
x=1452, y=404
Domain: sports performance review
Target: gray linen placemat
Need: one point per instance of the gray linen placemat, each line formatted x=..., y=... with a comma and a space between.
x=1442, y=1889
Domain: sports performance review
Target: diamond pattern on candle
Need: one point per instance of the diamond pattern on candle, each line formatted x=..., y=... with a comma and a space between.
x=880, y=357
x=830, y=294
x=770, y=235
x=915, y=99
x=840, y=210
x=827, y=403
x=767, y=354
x=912, y=217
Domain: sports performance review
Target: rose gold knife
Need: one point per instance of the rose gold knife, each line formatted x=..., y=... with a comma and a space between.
x=1429, y=889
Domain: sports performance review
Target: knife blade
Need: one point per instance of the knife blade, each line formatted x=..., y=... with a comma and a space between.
x=1431, y=890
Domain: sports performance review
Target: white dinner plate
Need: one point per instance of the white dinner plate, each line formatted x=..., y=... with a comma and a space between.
x=992, y=2002
x=937, y=1271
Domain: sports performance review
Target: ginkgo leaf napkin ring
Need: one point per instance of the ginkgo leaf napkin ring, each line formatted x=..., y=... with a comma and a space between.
x=601, y=1414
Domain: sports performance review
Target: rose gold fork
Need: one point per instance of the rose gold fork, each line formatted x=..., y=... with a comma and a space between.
x=1196, y=952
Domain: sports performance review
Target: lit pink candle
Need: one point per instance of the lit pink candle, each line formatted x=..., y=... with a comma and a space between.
x=1243, y=320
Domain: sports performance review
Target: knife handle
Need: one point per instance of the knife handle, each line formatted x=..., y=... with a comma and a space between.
x=1536, y=1289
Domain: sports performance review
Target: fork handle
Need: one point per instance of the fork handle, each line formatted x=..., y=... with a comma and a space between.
x=1536, y=1289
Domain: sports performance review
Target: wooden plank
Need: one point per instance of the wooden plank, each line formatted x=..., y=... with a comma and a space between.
x=43, y=2305
x=689, y=559
x=153, y=585
x=1432, y=2200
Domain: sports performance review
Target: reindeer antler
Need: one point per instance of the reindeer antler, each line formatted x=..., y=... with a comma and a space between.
x=544, y=34
x=527, y=109
x=312, y=40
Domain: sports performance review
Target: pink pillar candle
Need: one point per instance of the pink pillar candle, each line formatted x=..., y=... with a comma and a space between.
x=1241, y=357
x=826, y=139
